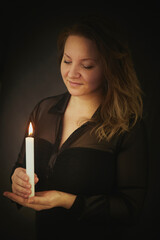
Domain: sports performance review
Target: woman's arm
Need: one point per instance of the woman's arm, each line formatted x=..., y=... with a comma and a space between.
x=124, y=204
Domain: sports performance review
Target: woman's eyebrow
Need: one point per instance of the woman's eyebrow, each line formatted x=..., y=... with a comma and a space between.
x=67, y=55
x=83, y=59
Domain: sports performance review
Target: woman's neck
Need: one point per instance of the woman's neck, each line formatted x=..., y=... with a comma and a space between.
x=85, y=105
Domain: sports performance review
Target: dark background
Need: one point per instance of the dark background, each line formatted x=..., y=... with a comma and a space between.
x=30, y=72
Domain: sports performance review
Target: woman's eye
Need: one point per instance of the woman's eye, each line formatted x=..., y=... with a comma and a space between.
x=84, y=66
x=87, y=67
x=67, y=62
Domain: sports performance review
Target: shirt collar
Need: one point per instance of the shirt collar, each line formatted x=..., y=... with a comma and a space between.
x=61, y=105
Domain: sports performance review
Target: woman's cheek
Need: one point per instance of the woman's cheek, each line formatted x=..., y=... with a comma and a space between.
x=93, y=80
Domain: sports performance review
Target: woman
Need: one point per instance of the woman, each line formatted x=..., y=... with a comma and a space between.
x=90, y=145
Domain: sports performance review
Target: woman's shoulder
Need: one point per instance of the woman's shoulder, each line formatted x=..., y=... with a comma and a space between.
x=49, y=104
x=51, y=101
x=136, y=135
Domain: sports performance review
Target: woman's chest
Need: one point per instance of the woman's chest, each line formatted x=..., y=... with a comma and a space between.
x=76, y=170
x=84, y=171
x=70, y=123
x=81, y=165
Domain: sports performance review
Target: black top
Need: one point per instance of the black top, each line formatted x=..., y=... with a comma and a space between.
x=109, y=178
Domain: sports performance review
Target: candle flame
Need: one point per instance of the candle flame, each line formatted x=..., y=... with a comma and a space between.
x=30, y=130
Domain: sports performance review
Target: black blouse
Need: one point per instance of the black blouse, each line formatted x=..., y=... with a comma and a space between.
x=109, y=178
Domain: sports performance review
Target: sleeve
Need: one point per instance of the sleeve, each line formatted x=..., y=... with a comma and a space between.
x=124, y=204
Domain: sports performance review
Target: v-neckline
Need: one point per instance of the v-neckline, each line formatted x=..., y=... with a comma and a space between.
x=59, y=125
x=71, y=137
x=74, y=133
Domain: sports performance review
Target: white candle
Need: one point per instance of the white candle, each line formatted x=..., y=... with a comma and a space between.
x=30, y=159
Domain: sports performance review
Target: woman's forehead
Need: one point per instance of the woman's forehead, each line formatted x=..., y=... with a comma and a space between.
x=81, y=47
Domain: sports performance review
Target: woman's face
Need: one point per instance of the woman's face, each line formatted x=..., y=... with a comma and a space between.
x=81, y=68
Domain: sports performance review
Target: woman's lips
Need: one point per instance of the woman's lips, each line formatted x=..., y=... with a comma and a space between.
x=74, y=84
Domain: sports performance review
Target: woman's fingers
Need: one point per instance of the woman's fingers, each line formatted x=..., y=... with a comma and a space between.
x=20, y=182
x=25, y=202
x=20, y=177
x=21, y=173
x=15, y=198
x=21, y=190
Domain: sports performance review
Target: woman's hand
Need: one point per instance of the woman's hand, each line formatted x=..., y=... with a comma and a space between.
x=44, y=200
x=20, y=183
x=21, y=189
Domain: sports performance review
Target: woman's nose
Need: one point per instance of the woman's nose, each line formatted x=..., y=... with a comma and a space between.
x=73, y=72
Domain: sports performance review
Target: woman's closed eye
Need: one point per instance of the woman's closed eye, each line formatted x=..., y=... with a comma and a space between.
x=82, y=65
x=87, y=67
x=67, y=62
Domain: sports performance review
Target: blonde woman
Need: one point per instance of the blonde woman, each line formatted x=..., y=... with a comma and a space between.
x=90, y=141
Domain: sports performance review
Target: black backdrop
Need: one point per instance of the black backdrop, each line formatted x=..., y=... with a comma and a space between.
x=29, y=72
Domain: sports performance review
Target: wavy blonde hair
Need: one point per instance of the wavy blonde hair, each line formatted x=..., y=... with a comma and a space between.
x=122, y=105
